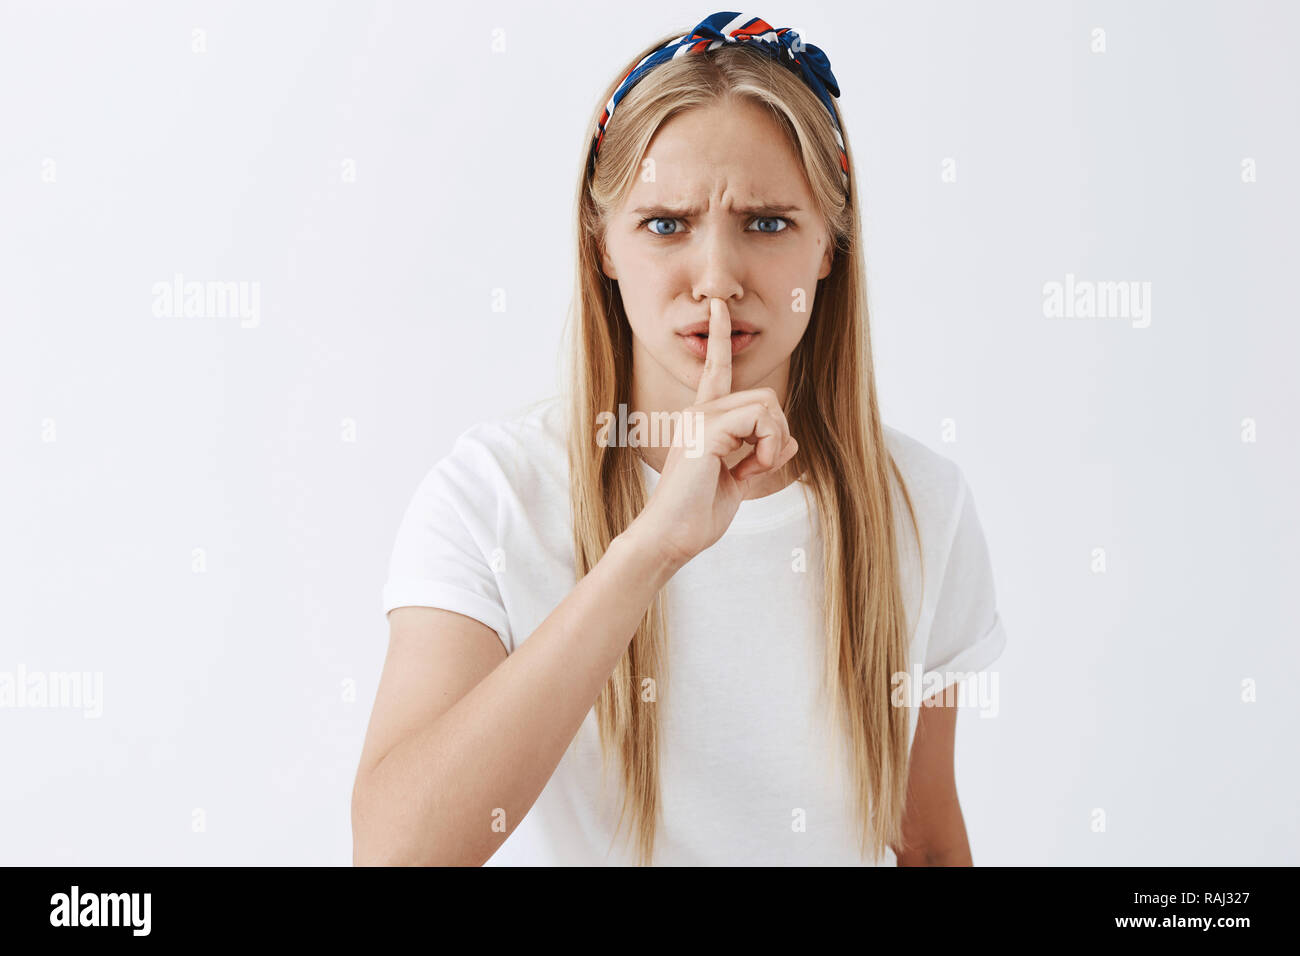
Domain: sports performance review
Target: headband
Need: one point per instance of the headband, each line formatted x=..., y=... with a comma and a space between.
x=783, y=44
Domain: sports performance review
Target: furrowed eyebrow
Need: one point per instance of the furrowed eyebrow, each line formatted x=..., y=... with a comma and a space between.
x=680, y=211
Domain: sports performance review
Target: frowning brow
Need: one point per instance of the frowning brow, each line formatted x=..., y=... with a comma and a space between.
x=684, y=210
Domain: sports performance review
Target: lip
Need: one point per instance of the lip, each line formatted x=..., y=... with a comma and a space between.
x=697, y=328
x=699, y=346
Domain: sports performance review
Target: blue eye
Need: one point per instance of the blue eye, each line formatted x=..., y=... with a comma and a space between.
x=771, y=232
x=657, y=219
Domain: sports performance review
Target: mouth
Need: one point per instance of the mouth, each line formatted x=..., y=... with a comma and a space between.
x=698, y=342
x=702, y=328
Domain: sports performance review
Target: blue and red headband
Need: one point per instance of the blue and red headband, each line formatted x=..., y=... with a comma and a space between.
x=782, y=44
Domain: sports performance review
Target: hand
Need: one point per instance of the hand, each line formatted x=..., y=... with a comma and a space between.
x=696, y=498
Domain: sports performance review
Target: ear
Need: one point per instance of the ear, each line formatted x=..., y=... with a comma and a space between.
x=607, y=266
x=606, y=263
x=827, y=258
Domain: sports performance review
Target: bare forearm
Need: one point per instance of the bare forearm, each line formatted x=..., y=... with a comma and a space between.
x=952, y=855
x=937, y=836
x=434, y=798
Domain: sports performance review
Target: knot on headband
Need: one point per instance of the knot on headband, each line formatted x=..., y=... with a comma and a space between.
x=781, y=43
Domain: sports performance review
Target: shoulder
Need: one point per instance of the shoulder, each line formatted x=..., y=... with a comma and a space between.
x=941, y=502
x=538, y=427
x=935, y=483
x=514, y=454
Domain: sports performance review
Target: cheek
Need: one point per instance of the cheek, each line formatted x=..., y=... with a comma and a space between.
x=648, y=293
x=789, y=282
x=648, y=303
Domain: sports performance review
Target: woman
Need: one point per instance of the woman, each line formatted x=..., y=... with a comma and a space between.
x=732, y=627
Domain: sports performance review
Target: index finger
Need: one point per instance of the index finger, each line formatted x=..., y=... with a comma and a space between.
x=716, y=378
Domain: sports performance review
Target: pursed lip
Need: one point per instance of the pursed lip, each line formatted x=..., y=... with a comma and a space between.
x=702, y=328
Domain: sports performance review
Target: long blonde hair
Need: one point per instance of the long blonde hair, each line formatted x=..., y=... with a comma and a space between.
x=832, y=410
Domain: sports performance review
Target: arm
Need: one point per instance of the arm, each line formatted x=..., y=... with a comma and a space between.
x=460, y=730
x=934, y=833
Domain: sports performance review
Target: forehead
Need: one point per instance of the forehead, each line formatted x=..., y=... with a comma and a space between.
x=736, y=150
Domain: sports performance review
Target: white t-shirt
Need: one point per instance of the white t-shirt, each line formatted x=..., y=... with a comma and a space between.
x=746, y=775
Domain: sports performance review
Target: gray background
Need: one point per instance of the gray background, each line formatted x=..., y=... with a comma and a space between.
x=227, y=692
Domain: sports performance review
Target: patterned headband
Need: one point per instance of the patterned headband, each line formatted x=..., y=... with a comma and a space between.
x=782, y=44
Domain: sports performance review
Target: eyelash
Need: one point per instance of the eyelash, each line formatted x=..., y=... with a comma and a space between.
x=789, y=224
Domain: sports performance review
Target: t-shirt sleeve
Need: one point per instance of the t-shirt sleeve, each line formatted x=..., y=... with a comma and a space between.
x=966, y=632
x=444, y=552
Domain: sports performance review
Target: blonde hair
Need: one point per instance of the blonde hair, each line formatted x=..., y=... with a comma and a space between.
x=832, y=410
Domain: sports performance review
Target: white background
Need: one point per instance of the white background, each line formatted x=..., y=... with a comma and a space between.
x=224, y=691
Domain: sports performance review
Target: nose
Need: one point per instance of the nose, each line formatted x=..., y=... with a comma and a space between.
x=718, y=267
